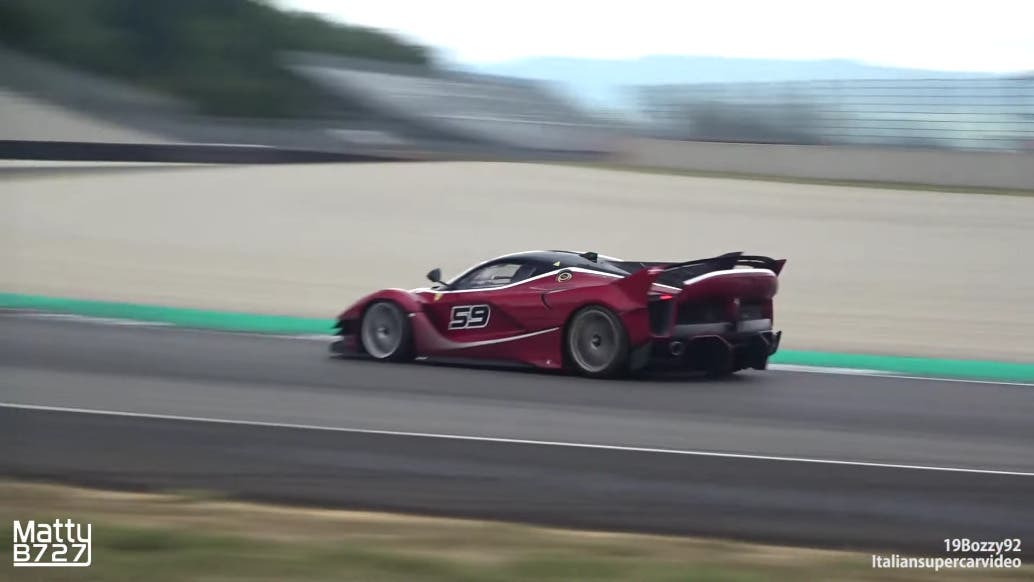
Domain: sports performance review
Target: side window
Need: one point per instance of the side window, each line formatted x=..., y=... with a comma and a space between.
x=496, y=275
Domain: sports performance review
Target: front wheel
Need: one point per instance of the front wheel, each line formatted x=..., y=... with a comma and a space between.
x=385, y=332
x=596, y=342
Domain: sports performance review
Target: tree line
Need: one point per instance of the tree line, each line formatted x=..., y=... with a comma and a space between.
x=220, y=54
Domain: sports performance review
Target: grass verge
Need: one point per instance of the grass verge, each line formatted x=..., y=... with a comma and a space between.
x=186, y=536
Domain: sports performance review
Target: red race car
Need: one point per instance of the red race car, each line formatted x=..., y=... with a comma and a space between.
x=592, y=314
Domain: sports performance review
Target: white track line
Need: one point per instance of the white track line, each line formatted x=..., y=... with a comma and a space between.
x=94, y=320
x=946, y=379
x=883, y=374
x=503, y=440
x=823, y=370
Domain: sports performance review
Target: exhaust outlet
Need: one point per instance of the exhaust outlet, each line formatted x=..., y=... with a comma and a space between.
x=676, y=348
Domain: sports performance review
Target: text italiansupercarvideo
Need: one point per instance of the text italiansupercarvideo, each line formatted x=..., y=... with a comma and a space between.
x=937, y=564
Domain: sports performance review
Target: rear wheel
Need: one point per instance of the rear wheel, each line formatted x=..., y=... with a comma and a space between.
x=385, y=332
x=596, y=342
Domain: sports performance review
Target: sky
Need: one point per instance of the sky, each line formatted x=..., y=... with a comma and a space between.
x=955, y=35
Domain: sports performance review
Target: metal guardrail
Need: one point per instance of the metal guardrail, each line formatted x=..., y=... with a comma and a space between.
x=979, y=114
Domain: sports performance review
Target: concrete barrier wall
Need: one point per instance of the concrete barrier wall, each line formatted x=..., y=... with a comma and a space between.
x=77, y=151
x=1009, y=170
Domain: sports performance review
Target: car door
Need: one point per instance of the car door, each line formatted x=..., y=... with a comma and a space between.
x=495, y=301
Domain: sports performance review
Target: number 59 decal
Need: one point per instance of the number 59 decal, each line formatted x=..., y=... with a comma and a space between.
x=469, y=316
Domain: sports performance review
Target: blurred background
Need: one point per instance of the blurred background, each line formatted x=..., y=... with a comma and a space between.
x=885, y=148
x=266, y=73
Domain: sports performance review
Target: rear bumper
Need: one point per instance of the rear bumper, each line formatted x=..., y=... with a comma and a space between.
x=713, y=353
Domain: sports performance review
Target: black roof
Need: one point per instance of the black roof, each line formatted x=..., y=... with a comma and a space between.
x=562, y=259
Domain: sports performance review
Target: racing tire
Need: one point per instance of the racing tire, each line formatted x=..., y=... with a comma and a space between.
x=596, y=343
x=385, y=332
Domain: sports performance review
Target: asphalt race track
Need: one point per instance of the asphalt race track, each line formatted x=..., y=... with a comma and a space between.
x=904, y=464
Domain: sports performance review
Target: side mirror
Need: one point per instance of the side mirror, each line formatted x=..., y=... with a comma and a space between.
x=435, y=275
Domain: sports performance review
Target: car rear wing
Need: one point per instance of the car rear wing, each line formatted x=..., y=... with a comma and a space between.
x=731, y=261
x=675, y=273
x=719, y=263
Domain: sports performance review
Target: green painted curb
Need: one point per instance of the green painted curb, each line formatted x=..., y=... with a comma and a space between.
x=196, y=318
x=935, y=367
x=285, y=324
